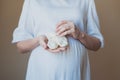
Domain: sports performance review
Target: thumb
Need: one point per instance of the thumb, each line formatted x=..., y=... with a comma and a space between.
x=43, y=44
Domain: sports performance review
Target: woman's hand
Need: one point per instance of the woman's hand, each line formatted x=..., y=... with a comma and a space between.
x=67, y=28
x=43, y=42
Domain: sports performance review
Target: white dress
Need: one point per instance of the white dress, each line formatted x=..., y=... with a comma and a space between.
x=40, y=17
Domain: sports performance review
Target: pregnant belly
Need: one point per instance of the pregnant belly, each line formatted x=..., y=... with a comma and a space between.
x=75, y=50
x=70, y=58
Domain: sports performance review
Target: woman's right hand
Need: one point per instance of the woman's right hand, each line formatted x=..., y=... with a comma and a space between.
x=43, y=42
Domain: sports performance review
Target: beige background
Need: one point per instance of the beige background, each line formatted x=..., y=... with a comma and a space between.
x=105, y=64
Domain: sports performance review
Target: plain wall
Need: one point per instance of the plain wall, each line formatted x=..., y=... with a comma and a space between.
x=105, y=63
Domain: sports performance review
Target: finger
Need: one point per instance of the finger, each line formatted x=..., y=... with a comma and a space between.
x=68, y=32
x=63, y=26
x=57, y=50
x=61, y=23
x=43, y=44
x=62, y=29
x=63, y=48
x=54, y=50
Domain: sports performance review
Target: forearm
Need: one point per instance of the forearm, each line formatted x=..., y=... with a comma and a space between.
x=27, y=45
x=89, y=42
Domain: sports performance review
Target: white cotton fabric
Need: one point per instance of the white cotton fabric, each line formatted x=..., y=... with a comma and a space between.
x=40, y=17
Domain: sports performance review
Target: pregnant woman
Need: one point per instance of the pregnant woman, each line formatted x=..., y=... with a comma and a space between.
x=76, y=20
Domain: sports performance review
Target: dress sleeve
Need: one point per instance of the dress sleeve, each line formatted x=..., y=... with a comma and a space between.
x=24, y=29
x=93, y=26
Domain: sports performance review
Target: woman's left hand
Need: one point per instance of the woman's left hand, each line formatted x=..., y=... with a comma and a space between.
x=67, y=28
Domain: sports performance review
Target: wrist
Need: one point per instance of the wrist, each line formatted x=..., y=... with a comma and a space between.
x=41, y=39
x=36, y=41
x=81, y=36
